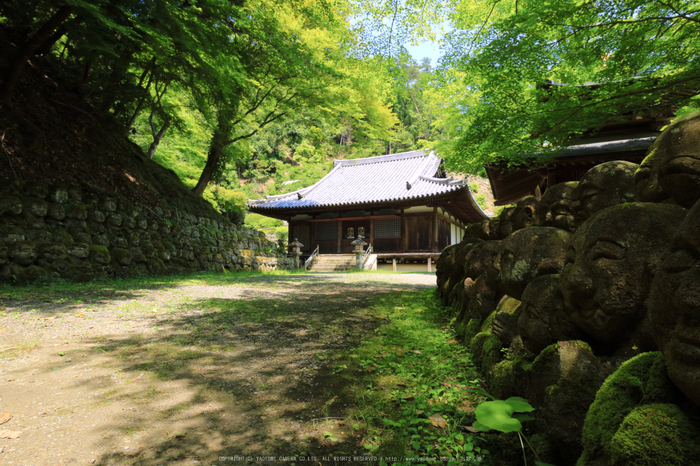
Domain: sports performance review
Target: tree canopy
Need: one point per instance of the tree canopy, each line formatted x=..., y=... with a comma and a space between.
x=614, y=57
x=248, y=97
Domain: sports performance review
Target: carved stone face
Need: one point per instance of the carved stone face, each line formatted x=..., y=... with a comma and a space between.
x=530, y=253
x=646, y=178
x=525, y=213
x=501, y=226
x=543, y=318
x=605, y=185
x=675, y=307
x=678, y=160
x=481, y=273
x=557, y=206
x=483, y=297
x=610, y=265
x=482, y=259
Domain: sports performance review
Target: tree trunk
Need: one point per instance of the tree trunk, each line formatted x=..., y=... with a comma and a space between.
x=87, y=64
x=49, y=43
x=25, y=53
x=219, y=140
x=158, y=137
x=141, y=101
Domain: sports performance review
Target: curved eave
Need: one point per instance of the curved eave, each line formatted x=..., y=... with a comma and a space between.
x=459, y=202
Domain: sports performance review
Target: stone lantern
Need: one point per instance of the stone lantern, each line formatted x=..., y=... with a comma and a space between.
x=296, y=250
x=359, y=251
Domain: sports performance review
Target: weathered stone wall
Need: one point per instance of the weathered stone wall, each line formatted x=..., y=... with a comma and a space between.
x=79, y=233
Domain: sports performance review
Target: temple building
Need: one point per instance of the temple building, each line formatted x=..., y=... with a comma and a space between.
x=403, y=205
x=627, y=136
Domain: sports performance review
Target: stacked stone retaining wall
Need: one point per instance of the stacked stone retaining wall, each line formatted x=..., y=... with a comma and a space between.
x=80, y=233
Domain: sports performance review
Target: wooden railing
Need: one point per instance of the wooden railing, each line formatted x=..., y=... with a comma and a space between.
x=367, y=253
x=311, y=258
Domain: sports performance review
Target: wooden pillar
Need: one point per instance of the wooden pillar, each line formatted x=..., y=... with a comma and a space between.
x=551, y=177
x=404, y=234
x=430, y=264
x=371, y=232
x=434, y=235
x=340, y=237
x=393, y=264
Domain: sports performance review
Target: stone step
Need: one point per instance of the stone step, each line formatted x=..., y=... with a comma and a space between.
x=332, y=263
x=333, y=260
x=330, y=269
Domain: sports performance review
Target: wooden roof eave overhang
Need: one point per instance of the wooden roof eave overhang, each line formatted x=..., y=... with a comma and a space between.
x=459, y=203
x=509, y=185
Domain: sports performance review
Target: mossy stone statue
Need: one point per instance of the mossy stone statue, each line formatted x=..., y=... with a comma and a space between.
x=675, y=307
x=543, y=317
x=562, y=383
x=530, y=253
x=603, y=186
x=640, y=417
x=610, y=266
x=23, y=252
x=672, y=167
x=557, y=206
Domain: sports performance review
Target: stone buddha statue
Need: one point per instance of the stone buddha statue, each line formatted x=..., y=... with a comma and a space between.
x=481, y=278
x=674, y=306
x=529, y=253
x=543, y=318
x=609, y=268
x=675, y=159
x=557, y=206
x=605, y=185
x=646, y=178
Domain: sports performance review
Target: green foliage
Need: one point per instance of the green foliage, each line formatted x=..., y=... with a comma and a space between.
x=230, y=203
x=502, y=415
x=260, y=222
x=412, y=382
x=506, y=416
x=639, y=54
x=384, y=27
x=213, y=75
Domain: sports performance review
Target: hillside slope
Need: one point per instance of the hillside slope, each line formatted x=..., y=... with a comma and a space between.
x=52, y=136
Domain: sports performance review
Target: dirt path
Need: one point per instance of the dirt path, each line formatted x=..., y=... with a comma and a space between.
x=193, y=372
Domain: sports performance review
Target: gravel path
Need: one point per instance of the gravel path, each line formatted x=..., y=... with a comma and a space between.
x=204, y=371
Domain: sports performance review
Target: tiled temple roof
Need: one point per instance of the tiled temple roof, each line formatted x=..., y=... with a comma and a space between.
x=370, y=180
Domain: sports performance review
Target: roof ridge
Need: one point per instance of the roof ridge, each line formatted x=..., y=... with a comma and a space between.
x=381, y=158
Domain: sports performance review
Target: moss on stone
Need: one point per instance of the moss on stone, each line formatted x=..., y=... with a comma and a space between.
x=501, y=379
x=472, y=328
x=655, y=434
x=63, y=236
x=659, y=388
x=486, y=324
x=486, y=349
x=617, y=397
x=121, y=256
x=545, y=354
x=99, y=254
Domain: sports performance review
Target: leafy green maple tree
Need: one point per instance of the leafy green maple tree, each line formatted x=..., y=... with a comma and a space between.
x=614, y=57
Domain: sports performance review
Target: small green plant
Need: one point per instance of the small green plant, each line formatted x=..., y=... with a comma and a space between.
x=506, y=416
x=329, y=436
